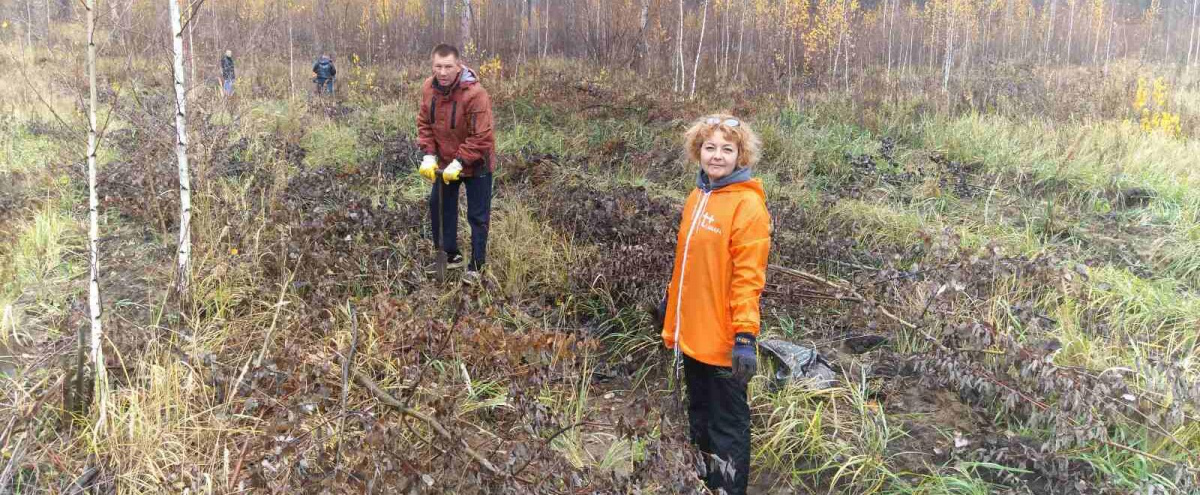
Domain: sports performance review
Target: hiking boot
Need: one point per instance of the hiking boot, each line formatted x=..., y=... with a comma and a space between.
x=471, y=278
x=453, y=262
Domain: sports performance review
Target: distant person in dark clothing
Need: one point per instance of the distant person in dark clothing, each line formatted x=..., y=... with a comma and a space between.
x=325, y=72
x=227, y=73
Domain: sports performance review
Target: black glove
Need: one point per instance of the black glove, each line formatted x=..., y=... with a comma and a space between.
x=659, y=313
x=745, y=357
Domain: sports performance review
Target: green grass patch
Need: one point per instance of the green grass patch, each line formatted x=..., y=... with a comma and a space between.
x=335, y=147
x=22, y=151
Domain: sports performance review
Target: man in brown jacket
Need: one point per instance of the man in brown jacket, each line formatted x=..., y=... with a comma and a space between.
x=454, y=129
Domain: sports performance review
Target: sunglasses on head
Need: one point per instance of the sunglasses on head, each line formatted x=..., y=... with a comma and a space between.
x=728, y=122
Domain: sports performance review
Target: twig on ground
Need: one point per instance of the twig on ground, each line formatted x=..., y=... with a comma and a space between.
x=818, y=279
x=283, y=290
x=347, y=362
x=851, y=265
x=412, y=390
x=432, y=422
x=1134, y=451
x=83, y=483
x=18, y=453
x=610, y=107
x=237, y=468
x=543, y=446
x=257, y=360
x=928, y=302
x=13, y=423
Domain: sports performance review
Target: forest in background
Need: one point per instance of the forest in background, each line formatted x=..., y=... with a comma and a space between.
x=985, y=217
x=766, y=45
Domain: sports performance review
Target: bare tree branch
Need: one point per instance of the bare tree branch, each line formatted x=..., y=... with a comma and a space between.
x=433, y=423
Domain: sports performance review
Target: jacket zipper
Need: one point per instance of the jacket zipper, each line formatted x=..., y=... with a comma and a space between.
x=687, y=243
x=433, y=110
x=453, y=112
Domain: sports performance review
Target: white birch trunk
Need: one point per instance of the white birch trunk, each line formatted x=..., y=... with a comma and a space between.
x=291, y=60
x=216, y=24
x=949, y=55
x=183, y=283
x=191, y=51
x=94, y=307
x=906, y=59
x=465, y=26
x=791, y=61
x=1166, y=30
x=846, y=42
x=642, y=49
x=1108, y=44
x=29, y=24
x=965, y=57
x=1050, y=27
x=737, y=66
x=681, y=79
x=1070, y=30
x=546, y=42
x=1191, y=37
x=891, y=29
x=699, y=47
x=727, y=40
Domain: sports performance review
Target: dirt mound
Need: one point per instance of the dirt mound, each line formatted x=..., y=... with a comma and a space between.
x=147, y=194
x=400, y=155
x=636, y=234
x=493, y=402
x=332, y=228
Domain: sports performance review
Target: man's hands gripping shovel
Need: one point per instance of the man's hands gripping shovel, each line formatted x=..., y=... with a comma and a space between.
x=429, y=170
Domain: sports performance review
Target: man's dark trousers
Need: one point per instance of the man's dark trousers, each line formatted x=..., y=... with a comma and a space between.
x=719, y=420
x=479, y=212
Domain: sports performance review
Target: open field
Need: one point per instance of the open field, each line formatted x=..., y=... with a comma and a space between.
x=1027, y=251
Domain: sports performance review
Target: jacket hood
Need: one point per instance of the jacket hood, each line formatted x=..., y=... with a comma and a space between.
x=324, y=60
x=740, y=176
x=465, y=78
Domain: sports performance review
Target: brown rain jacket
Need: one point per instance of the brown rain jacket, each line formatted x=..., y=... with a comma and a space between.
x=455, y=122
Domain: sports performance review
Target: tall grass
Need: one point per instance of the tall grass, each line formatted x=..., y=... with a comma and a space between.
x=38, y=267
x=834, y=438
x=162, y=426
x=528, y=257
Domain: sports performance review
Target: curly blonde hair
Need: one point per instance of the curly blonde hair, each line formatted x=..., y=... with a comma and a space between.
x=748, y=143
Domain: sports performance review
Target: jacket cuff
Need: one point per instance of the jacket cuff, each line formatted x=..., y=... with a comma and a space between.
x=744, y=339
x=751, y=328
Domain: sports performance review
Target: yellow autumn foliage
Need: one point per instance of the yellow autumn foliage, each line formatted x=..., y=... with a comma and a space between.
x=1151, y=103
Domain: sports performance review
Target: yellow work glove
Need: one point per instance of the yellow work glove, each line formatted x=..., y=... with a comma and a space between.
x=451, y=172
x=428, y=168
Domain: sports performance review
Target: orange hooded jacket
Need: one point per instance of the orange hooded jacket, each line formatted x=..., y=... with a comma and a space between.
x=720, y=268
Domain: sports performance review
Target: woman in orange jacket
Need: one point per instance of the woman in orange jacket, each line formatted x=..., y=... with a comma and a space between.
x=712, y=317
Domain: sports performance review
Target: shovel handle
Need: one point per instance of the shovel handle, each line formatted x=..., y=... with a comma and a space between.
x=437, y=242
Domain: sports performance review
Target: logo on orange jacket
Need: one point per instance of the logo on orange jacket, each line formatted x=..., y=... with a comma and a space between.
x=709, y=223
